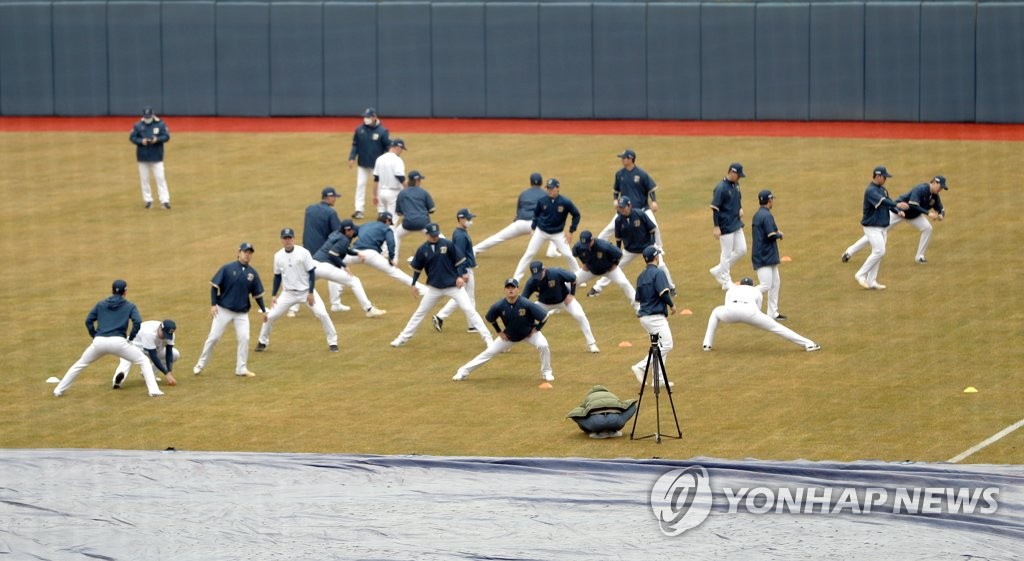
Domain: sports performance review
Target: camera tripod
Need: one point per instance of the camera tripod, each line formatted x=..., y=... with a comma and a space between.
x=656, y=363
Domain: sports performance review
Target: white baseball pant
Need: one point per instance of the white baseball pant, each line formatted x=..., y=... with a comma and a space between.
x=657, y=324
x=363, y=176
x=618, y=277
x=285, y=300
x=117, y=346
x=376, y=260
x=220, y=322
x=470, y=287
x=536, y=241
x=430, y=298
x=734, y=246
x=747, y=312
x=920, y=222
x=869, y=270
x=387, y=200
x=769, y=281
x=575, y=310
x=156, y=170
x=401, y=232
x=125, y=365
x=341, y=276
x=514, y=230
x=627, y=258
x=499, y=345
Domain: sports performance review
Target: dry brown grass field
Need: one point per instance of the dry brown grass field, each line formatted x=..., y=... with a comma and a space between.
x=888, y=383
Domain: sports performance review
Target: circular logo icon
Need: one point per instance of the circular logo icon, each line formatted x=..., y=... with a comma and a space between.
x=681, y=499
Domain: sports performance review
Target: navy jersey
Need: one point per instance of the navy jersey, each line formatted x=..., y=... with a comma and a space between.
x=599, y=258
x=554, y=288
x=368, y=143
x=157, y=130
x=374, y=235
x=921, y=200
x=550, y=215
x=636, y=231
x=109, y=318
x=726, y=202
x=520, y=317
x=636, y=185
x=528, y=202
x=652, y=291
x=442, y=261
x=415, y=206
x=462, y=241
x=334, y=250
x=321, y=220
x=876, y=206
x=234, y=283
x=766, y=236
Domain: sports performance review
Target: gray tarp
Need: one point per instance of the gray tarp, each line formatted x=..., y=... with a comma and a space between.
x=137, y=505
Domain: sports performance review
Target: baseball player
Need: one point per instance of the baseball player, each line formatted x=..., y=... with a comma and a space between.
x=155, y=338
x=654, y=297
x=634, y=232
x=107, y=323
x=638, y=187
x=522, y=321
x=556, y=290
x=922, y=199
x=295, y=271
x=149, y=135
x=373, y=236
x=875, y=221
x=320, y=221
x=727, y=214
x=522, y=224
x=369, y=142
x=414, y=205
x=389, y=177
x=743, y=305
x=765, y=236
x=330, y=265
x=446, y=277
x=230, y=289
x=601, y=259
x=462, y=241
x=548, y=224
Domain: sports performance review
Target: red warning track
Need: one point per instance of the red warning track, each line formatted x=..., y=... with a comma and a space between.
x=819, y=129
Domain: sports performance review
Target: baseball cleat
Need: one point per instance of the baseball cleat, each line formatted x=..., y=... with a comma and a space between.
x=246, y=374
x=845, y=257
x=593, y=292
x=118, y=380
x=812, y=348
x=340, y=308
x=156, y=394
x=292, y=313
x=260, y=347
x=922, y=260
x=197, y=370
x=333, y=348
x=438, y=323
x=460, y=376
x=57, y=394
x=472, y=329
x=358, y=215
x=781, y=317
x=167, y=206
x=149, y=205
x=593, y=348
x=863, y=282
x=375, y=312
x=878, y=286
x=547, y=377
x=706, y=348
x=397, y=342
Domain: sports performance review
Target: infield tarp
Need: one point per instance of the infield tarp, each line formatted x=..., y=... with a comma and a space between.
x=94, y=504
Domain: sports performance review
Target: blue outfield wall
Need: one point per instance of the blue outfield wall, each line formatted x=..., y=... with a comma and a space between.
x=940, y=61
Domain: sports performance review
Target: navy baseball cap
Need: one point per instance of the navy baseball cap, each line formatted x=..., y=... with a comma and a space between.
x=764, y=196
x=433, y=229
x=147, y=111
x=119, y=286
x=415, y=174
x=738, y=168
x=650, y=252
x=287, y=233
x=536, y=269
x=880, y=170
x=464, y=213
x=246, y=246
x=398, y=142
x=168, y=326
x=586, y=236
x=511, y=282
x=370, y=112
x=536, y=179
x=385, y=216
x=346, y=223
x=328, y=192
x=941, y=180
x=552, y=183
x=627, y=153
x=624, y=202
x=747, y=281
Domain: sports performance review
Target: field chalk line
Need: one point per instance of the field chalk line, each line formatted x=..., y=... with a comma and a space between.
x=979, y=446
